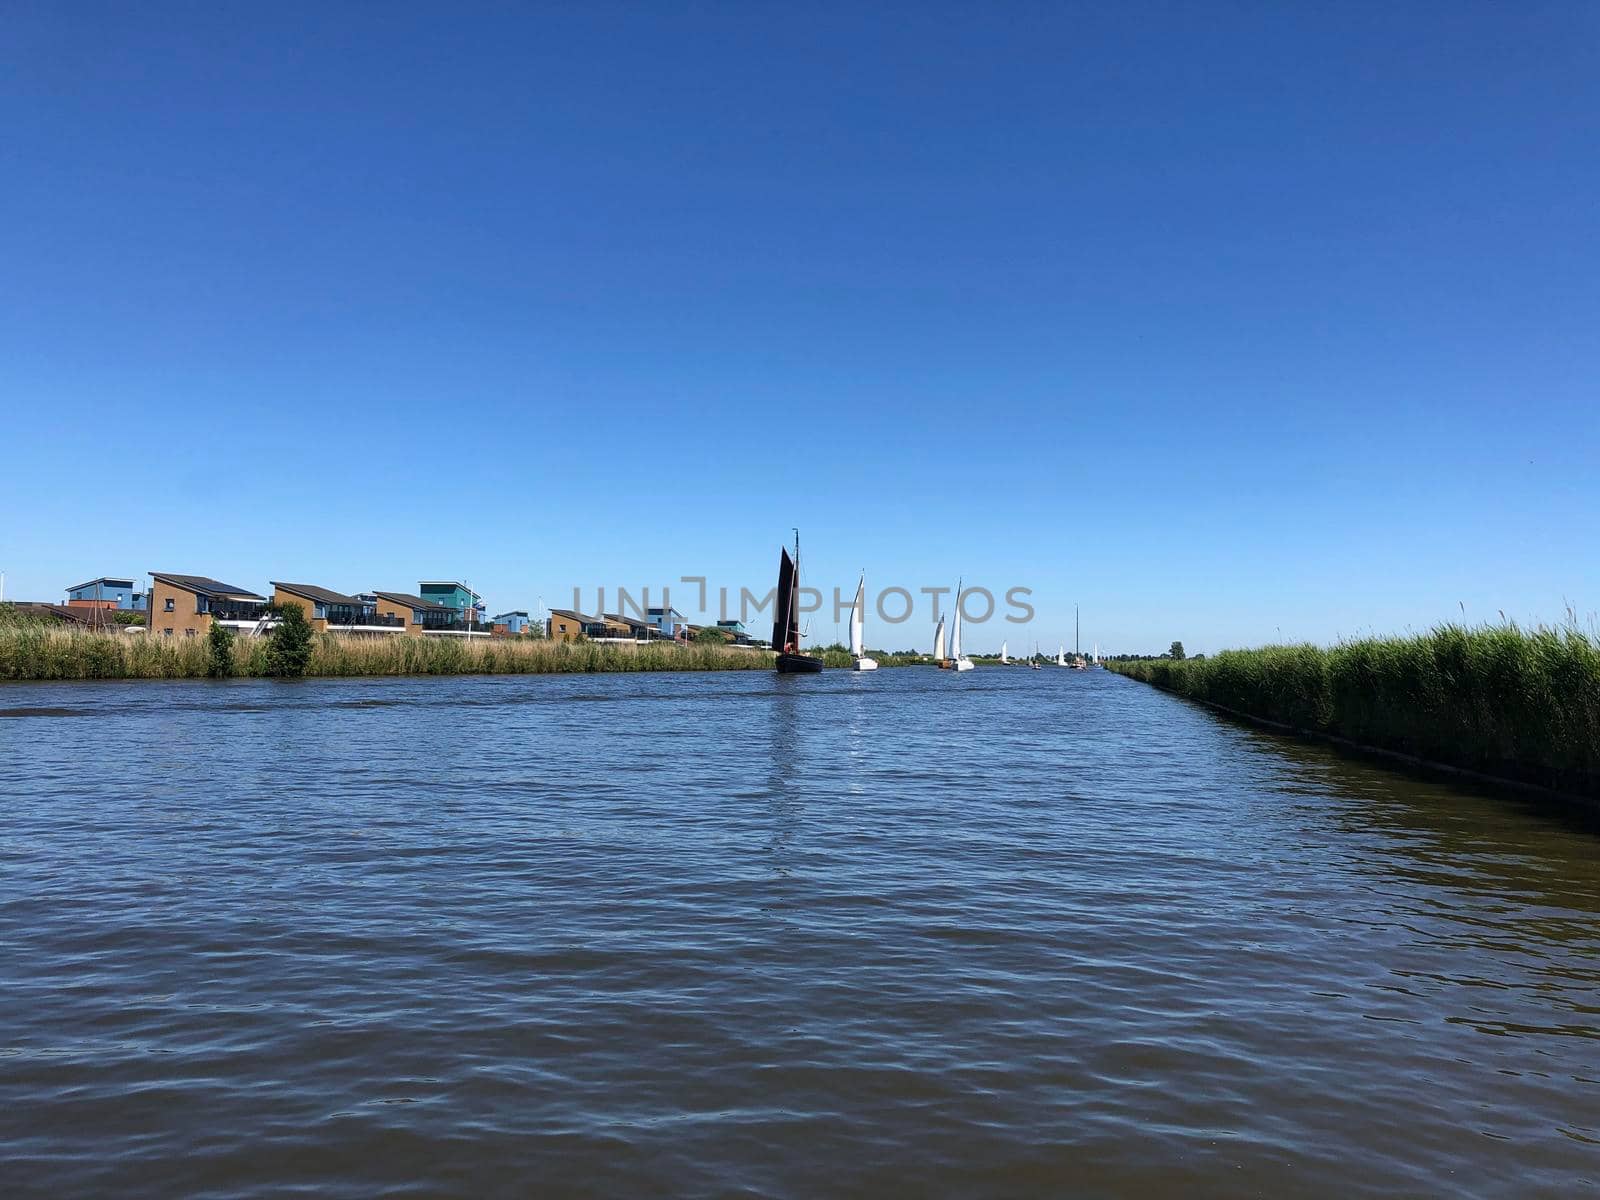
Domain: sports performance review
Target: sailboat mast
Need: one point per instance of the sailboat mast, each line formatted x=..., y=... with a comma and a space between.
x=1075, y=650
x=794, y=597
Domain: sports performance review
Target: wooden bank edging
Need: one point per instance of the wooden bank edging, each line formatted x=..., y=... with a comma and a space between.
x=1427, y=765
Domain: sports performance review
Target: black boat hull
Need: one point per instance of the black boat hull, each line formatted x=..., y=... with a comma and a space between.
x=798, y=664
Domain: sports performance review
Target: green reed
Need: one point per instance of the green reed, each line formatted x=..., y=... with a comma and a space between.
x=47, y=652
x=1515, y=703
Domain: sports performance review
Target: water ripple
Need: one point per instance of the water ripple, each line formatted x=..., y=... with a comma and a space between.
x=1021, y=934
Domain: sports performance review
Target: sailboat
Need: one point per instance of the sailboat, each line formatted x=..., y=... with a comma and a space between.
x=938, y=646
x=1061, y=655
x=1077, y=655
x=1005, y=659
x=958, y=660
x=1034, y=661
x=857, y=649
x=786, y=617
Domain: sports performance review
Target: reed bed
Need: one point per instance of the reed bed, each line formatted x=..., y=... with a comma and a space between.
x=1517, y=704
x=38, y=652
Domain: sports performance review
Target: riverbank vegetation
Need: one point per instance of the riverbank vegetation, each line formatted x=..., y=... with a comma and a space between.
x=838, y=656
x=35, y=651
x=1513, y=703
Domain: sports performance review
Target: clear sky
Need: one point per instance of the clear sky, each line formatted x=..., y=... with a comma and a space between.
x=1229, y=322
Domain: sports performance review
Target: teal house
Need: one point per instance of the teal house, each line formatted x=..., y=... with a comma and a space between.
x=454, y=595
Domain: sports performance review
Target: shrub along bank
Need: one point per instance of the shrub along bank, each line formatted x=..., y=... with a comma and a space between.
x=1518, y=704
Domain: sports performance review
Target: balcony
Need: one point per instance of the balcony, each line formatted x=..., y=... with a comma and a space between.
x=235, y=610
x=343, y=618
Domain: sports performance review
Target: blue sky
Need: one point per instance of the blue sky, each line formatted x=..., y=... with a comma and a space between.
x=1229, y=323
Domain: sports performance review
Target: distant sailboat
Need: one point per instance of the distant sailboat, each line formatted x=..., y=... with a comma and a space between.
x=857, y=648
x=958, y=660
x=1061, y=655
x=786, y=617
x=1004, y=658
x=938, y=644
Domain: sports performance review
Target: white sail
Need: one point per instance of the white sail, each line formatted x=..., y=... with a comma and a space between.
x=1061, y=655
x=955, y=629
x=938, y=640
x=1005, y=658
x=855, y=617
x=1097, y=654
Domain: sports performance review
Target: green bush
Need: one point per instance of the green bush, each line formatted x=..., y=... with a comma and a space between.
x=219, y=642
x=289, y=644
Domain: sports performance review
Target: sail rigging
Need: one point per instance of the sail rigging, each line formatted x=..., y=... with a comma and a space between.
x=955, y=628
x=856, y=647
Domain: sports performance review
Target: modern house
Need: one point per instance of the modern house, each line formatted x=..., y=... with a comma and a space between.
x=420, y=615
x=458, y=596
x=737, y=633
x=188, y=605
x=620, y=628
x=106, y=593
x=511, y=623
x=669, y=622
x=566, y=625
x=334, y=612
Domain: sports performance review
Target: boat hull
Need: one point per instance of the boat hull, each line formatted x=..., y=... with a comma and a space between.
x=961, y=664
x=798, y=664
x=866, y=664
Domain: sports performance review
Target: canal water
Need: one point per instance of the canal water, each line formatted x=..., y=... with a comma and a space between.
x=1008, y=933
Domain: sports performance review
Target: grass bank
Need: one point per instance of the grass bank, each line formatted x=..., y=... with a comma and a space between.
x=1520, y=705
x=42, y=652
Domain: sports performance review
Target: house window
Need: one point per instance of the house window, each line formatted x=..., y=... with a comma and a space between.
x=189, y=633
x=168, y=605
x=167, y=632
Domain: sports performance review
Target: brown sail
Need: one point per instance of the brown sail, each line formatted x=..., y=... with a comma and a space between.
x=785, y=621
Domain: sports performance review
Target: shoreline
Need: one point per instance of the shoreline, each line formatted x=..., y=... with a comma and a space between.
x=1392, y=758
x=1499, y=706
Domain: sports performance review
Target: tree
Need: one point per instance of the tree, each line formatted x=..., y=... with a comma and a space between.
x=289, y=646
x=711, y=636
x=1176, y=651
x=219, y=643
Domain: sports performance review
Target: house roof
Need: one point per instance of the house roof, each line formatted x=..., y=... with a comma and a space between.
x=573, y=616
x=656, y=612
x=407, y=600
x=117, y=582
x=513, y=613
x=630, y=622
x=312, y=592
x=201, y=585
x=93, y=618
x=448, y=583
